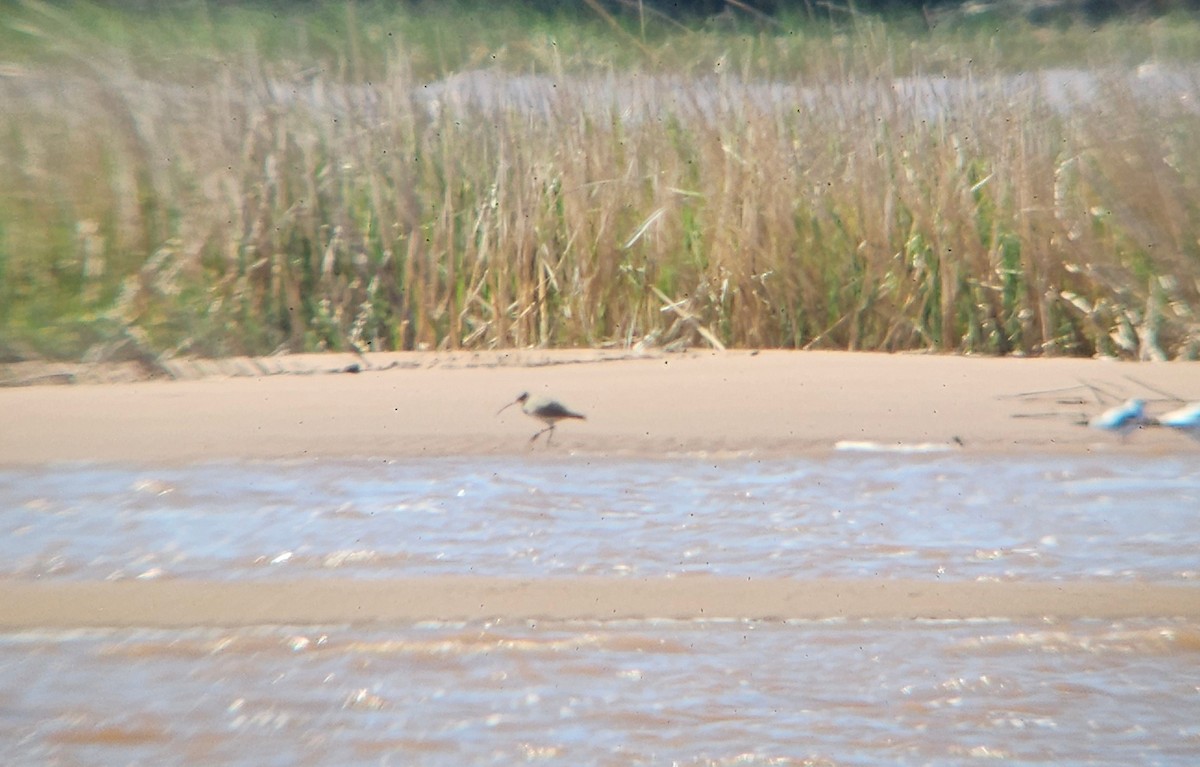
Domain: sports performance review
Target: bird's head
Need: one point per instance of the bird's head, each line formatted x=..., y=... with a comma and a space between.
x=520, y=400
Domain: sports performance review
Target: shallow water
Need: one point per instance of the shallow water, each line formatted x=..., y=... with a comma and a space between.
x=865, y=693
x=892, y=516
x=489, y=92
x=614, y=693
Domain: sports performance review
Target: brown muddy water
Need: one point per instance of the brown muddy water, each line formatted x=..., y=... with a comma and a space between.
x=647, y=692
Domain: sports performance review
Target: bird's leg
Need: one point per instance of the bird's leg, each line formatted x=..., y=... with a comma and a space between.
x=550, y=436
x=540, y=433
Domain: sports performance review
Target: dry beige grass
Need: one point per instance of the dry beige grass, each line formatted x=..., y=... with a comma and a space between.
x=254, y=207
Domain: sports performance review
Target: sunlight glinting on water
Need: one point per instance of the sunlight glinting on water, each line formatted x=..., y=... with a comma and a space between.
x=870, y=692
x=643, y=692
x=935, y=516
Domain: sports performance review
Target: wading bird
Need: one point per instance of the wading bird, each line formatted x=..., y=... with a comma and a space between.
x=1186, y=419
x=1122, y=419
x=548, y=411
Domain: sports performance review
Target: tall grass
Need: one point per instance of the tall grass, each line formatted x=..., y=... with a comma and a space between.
x=235, y=201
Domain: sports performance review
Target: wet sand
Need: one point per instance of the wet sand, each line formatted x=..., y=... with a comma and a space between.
x=704, y=404
x=177, y=604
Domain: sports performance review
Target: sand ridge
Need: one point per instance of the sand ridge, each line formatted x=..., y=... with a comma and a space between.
x=181, y=603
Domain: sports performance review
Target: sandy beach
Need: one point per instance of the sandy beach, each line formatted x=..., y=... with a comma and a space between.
x=423, y=404
x=398, y=406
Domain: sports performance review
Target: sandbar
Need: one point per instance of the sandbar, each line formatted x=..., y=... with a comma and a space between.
x=768, y=404
x=177, y=604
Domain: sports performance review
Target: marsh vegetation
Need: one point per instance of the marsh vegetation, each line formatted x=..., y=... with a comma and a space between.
x=213, y=180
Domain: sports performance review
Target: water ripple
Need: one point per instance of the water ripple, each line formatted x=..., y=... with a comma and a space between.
x=848, y=515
